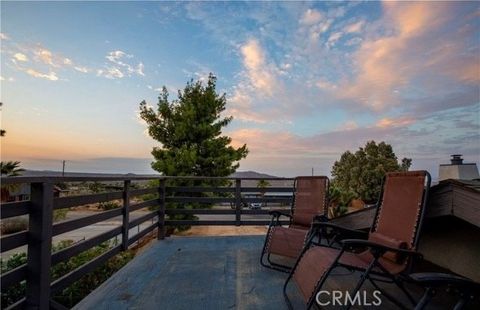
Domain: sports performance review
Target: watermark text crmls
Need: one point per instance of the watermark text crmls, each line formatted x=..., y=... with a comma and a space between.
x=345, y=298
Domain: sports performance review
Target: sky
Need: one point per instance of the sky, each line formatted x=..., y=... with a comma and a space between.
x=305, y=81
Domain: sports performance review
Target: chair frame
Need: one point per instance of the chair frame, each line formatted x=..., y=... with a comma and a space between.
x=275, y=221
x=466, y=289
x=377, y=250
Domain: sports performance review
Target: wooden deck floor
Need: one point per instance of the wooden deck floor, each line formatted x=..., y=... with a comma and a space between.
x=202, y=273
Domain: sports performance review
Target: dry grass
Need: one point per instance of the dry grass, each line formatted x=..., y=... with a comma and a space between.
x=223, y=231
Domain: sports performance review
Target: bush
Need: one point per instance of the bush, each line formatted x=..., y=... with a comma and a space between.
x=16, y=291
x=59, y=214
x=338, y=201
x=109, y=205
x=78, y=290
x=14, y=225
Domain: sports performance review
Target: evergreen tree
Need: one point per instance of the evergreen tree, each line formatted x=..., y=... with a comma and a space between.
x=360, y=174
x=189, y=130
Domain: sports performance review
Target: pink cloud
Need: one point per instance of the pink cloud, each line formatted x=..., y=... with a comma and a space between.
x=414, y=49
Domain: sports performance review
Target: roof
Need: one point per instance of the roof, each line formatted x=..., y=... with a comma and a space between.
x=467, y=184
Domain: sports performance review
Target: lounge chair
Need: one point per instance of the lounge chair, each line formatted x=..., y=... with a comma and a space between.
x=384, y=257
x=465, y=290
x=309, y=204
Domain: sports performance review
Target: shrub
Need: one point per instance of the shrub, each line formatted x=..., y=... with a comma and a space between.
x=78, y=290
x=16, y=291
x=13, y=225
x=59, y=214
x=109, y=205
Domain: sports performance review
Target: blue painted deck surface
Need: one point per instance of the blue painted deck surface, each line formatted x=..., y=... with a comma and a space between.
x=194, y=273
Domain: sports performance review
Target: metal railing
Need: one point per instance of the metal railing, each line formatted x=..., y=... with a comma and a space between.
x=41, y=229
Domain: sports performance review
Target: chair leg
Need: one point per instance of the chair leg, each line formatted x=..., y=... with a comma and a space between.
x=362, y=280
x=460, y=304
x=427, y=296
x=287, y=300
x=387, y=295
x=404, y=290
x=264, y=250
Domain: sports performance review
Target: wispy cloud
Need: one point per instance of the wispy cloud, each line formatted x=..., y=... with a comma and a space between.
x=120, y=64
x=35, y=59
x=258, y=71
x=413, y=54
x=20, y=57
x=52, y=76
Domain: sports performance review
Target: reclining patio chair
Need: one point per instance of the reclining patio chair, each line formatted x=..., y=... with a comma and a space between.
x=465, y=290
x=309, y=204
x=388, y=252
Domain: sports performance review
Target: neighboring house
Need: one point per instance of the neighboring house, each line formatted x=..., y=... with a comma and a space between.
x=21, y=192
x=15, y=193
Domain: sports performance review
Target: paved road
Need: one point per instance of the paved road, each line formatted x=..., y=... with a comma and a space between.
x=98, y=228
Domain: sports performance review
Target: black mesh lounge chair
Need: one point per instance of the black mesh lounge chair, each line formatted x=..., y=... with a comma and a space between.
x=309, y=203
x=465, y=290
x=385, y=256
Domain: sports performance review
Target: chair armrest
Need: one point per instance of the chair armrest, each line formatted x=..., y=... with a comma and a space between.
x=377, y=249
x=340, y=229
x=320, y=218
x=435, y=279
x=277, y=214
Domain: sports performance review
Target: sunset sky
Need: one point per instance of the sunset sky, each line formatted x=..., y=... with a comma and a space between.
x=304, y=81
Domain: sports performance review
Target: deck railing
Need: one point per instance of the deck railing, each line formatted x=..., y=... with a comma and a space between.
x=41, y=229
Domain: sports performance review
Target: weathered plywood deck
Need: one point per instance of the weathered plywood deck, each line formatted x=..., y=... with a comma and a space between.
x=205, y=273
x=193, y=273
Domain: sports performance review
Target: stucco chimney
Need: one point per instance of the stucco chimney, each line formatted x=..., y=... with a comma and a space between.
x=458, y=170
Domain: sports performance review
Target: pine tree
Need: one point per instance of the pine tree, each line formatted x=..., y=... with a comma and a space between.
x=189, y=130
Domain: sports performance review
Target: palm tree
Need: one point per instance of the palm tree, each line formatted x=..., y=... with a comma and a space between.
x=11, y=168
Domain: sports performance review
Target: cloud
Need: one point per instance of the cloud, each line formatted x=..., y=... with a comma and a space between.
x=20, y=57
x=349, y=125
x=355, y=27
x=52, y=76
x=423, y=49
x=390, y=122
x=334, y=37
x=46, y=57
x=120, y=65
x=110, y=73
x=140, y=68
x=116, y=56
x=326, y=85
x=82, y=69
x=311, y=16
x=259, y=72
x=4, y=36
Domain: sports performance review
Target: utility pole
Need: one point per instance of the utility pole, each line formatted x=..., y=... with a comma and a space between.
x=312, y=171
x=63, y=169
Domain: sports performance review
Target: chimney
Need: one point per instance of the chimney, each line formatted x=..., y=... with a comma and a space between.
x=458, y=170
x=456, y=159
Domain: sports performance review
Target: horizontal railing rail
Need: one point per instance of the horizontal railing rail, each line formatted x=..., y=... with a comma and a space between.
x=232, y=199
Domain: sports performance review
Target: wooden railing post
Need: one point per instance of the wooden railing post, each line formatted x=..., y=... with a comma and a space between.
x=126, y=214
x=238, y=202
x=161, y=210
x=39, y=246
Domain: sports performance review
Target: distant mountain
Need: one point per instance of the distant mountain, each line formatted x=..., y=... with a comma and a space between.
x=238, y=174
x=251, y=174
x=50, y=173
